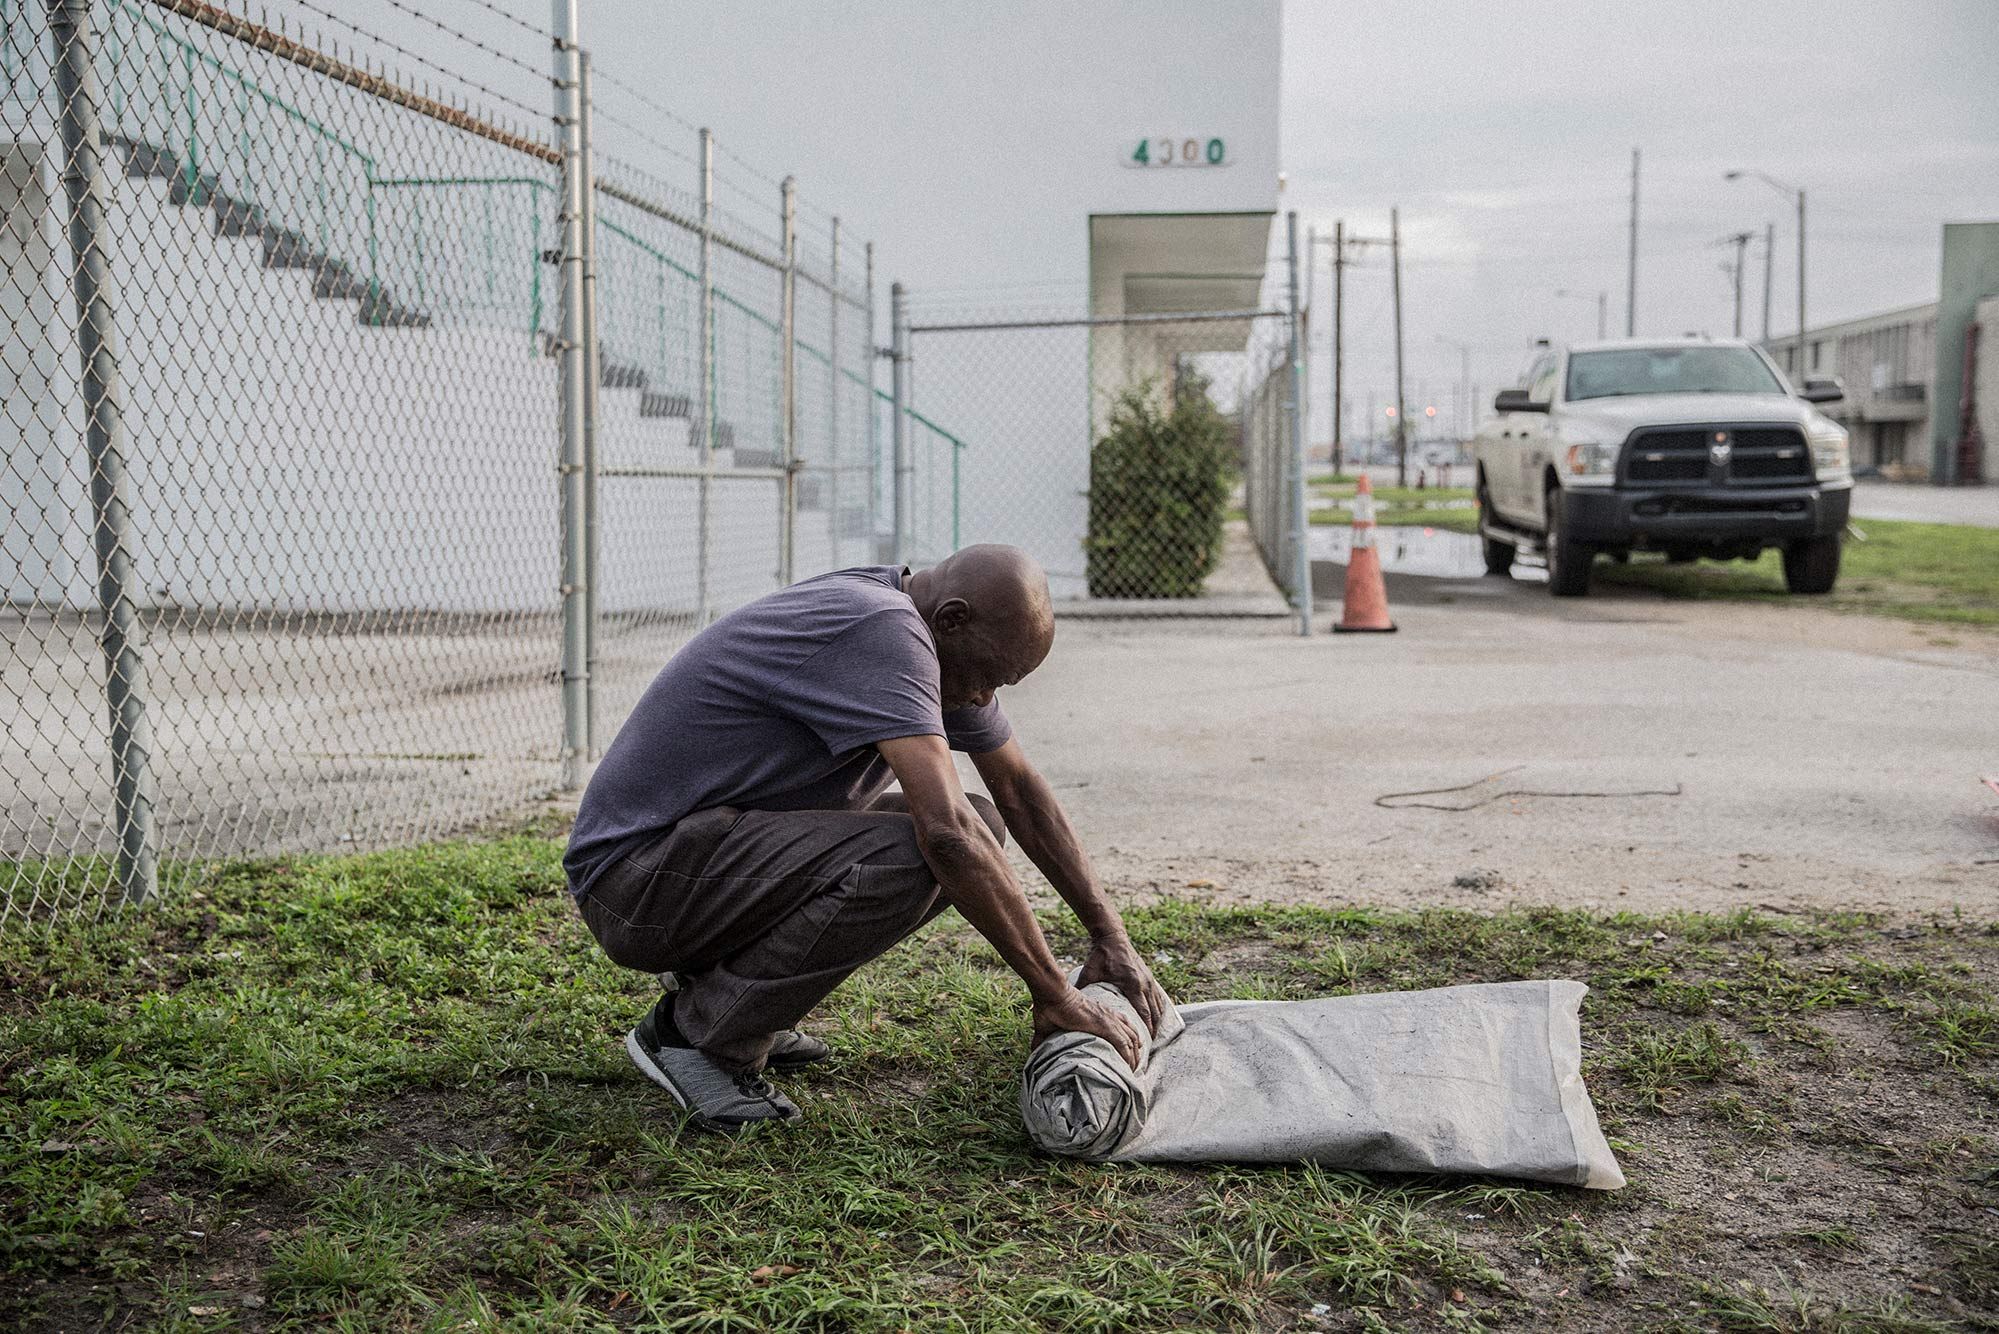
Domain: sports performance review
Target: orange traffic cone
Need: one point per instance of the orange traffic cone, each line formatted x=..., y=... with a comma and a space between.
x=1366, y=604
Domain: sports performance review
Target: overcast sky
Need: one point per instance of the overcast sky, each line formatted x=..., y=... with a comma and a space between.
x=1503, y=131
x=1505, y=134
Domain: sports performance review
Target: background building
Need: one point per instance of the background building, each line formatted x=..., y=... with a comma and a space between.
x=1904, y=370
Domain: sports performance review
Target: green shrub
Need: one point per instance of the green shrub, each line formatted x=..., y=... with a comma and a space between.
x=1159, y=490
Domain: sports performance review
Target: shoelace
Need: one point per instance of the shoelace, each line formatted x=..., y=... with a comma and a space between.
x=753, y=1085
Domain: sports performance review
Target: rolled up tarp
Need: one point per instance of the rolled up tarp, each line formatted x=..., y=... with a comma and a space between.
x=1483, y=1079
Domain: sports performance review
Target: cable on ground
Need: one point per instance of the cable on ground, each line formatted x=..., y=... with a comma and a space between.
x=1394, y=801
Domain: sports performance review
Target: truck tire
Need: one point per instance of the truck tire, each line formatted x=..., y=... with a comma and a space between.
x=1498, y=554
x=1812, y=566
x=1568, y=559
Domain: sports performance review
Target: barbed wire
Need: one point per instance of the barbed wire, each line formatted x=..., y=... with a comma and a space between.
x=532, y=112
x=518, y=22
x=645, y=137
x=469, y=40
x=721, y=146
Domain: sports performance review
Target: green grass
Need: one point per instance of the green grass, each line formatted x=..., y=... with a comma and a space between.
x=1918, y=571
x=386, y=1092
x=1447, y=507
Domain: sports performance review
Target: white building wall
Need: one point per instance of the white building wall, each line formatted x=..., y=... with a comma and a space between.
x=284, y=457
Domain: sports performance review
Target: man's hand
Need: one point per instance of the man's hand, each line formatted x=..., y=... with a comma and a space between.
x=1113, y=960
x=1070, y=1011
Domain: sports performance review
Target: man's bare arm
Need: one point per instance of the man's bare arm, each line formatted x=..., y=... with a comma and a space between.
x=1037, y=822
x=973, y=874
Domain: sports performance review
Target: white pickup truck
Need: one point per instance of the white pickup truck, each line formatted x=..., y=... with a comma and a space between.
x=1693, y=447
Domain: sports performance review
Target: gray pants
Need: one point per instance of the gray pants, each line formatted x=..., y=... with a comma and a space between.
x=763, y=913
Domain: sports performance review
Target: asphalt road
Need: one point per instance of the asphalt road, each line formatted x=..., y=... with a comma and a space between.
x=1817, y=758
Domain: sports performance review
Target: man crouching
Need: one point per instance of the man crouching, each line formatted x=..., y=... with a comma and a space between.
x=739, y=834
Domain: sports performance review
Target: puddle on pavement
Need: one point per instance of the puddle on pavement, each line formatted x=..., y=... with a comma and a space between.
x=1435, y=553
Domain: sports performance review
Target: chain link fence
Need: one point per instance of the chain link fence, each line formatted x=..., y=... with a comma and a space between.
x=1148, y=462
x=367, y=454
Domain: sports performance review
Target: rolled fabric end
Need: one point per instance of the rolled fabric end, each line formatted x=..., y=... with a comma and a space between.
x=1078, y=1098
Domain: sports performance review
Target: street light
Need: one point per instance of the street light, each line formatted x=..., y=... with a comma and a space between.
x=1602, y=299
x=1777, y=185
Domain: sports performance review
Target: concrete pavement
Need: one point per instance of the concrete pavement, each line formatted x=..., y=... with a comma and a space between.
x=1819, y=759
x=1977, y=506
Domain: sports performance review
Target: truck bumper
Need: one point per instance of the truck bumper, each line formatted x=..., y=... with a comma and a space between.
x=1733, y=516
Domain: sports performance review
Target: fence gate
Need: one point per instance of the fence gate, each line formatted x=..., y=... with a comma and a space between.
x=1140, y=459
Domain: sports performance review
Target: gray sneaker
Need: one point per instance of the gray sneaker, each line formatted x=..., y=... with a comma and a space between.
x=718, y=1099
x=790, y=1051
x=793, y=1049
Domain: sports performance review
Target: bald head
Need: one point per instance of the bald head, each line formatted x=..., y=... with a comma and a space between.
x=988, y=611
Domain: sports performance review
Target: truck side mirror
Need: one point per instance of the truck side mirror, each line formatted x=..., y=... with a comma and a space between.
x=1826, y=390
x=1516, y=400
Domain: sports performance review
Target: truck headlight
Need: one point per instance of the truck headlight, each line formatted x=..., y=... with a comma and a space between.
x=1589, y=460
x=1831, y=456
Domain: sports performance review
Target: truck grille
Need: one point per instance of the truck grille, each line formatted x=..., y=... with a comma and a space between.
x=1757, y=456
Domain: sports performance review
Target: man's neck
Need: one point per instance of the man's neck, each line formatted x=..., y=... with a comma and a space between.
x=921, y=589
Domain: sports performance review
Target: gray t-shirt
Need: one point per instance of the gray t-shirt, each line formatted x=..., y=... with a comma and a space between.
x=776, y=707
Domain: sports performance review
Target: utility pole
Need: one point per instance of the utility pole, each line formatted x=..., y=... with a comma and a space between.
x=1736, y=174
x=1341, y=242
x=1401, y=409
x=1631, y=262
x=1740, y=240
x=1741, y=261
x=1801, y=287
x=1339, y=274
x=1769, y=257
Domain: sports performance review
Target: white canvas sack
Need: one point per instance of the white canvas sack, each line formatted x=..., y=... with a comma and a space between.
x=1480, y=1079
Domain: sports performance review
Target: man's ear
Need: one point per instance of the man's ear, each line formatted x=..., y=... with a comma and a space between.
x=951, y=615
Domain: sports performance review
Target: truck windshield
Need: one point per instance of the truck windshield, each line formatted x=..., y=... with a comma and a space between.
x=1618, y=372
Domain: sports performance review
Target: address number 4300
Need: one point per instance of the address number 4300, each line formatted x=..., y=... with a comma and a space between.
x=1179, y=153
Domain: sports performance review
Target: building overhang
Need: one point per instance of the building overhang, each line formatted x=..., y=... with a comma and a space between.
x=1173, y=263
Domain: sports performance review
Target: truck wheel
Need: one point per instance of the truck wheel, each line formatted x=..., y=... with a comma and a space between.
x=1568, y=559
x=1812, y=566
x=1498, y=554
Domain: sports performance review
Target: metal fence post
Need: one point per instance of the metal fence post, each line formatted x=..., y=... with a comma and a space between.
x=898, y=318
x=789, y=391
x=574, y=366
x=121, y=635
x=833, y=401
x=593, y=378
x=874, y=436
x=1301, y=556
x=704, y=427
